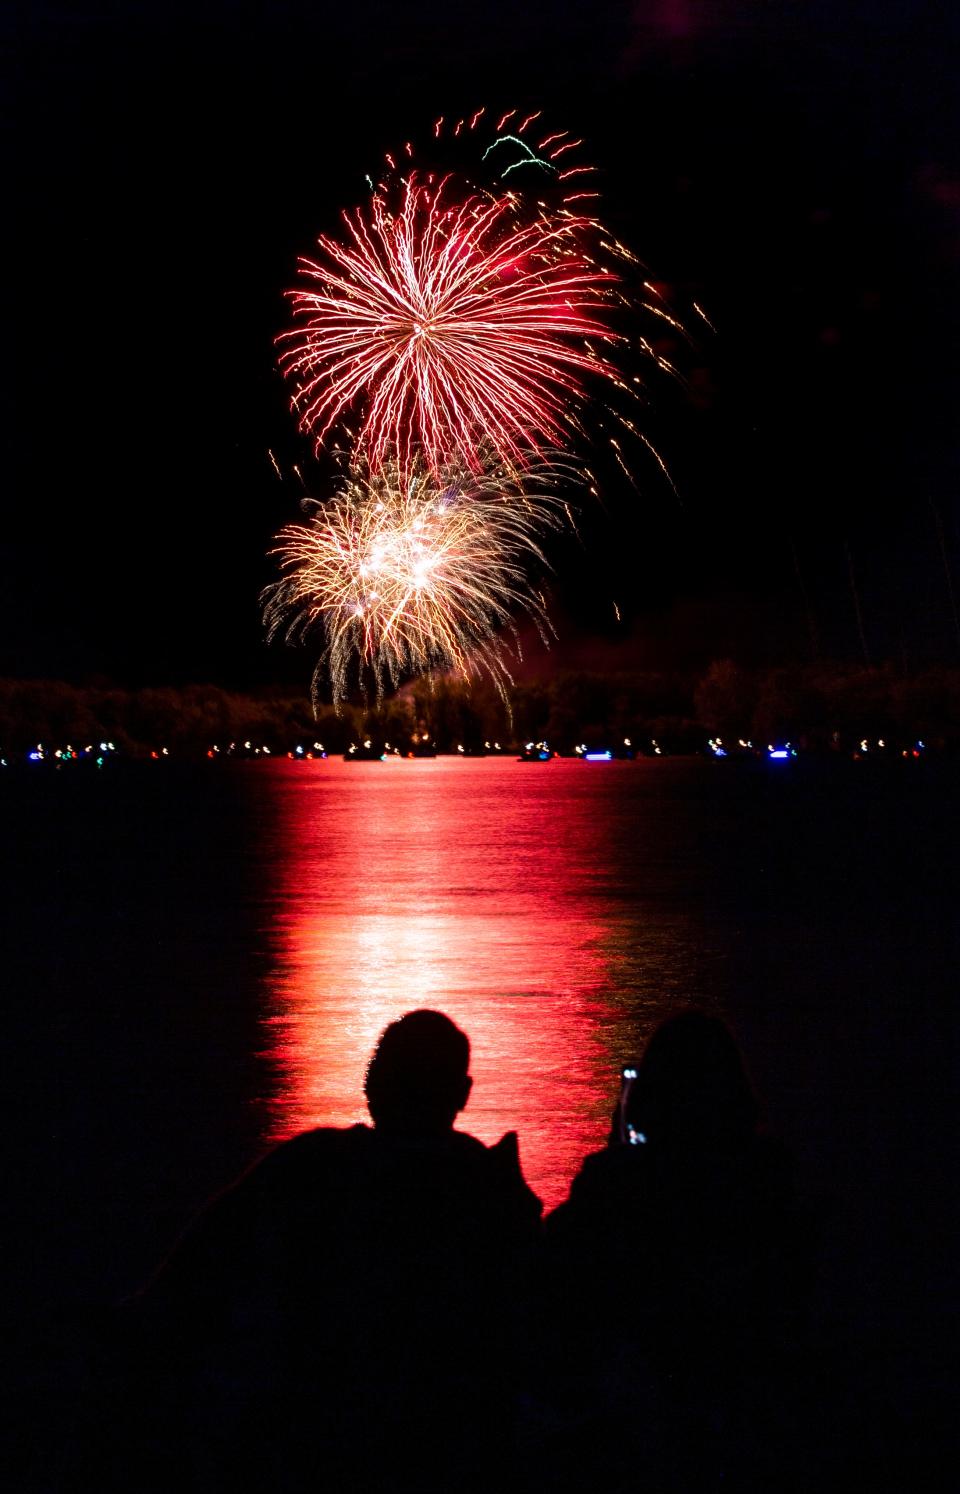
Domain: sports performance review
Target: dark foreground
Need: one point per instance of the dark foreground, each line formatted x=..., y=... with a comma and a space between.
x=136, y=981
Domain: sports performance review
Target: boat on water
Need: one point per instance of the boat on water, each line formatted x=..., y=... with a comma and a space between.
x=536, y=752
x=422, y=745
x=364, y=753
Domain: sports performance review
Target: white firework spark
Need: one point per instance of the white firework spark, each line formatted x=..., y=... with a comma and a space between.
x=406, y=575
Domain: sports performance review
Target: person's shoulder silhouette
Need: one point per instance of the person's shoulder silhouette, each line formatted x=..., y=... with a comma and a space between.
x=370, y=1276
x=690, y=1190
x=679, y=1260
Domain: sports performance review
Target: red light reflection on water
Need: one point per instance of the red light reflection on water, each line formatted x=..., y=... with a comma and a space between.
x=448, y=885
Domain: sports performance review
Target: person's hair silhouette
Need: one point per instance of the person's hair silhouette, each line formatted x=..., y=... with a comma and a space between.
x=691, y=1088
x=417, y=1080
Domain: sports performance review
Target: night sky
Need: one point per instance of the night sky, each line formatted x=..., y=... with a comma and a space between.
x=792, y=168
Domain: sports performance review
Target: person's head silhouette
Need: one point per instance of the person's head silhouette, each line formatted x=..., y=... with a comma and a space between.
x=691, y=1088
x=417, y=1079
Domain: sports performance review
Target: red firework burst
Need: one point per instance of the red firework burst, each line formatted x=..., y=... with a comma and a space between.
x=447, y=326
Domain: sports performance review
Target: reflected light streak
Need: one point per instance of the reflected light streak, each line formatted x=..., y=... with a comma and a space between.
x=411, y=895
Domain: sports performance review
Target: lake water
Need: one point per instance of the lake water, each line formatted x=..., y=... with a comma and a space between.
x=539, y=906
x=199, y=961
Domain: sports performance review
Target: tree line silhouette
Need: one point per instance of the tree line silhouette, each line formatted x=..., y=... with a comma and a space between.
x=819, y=706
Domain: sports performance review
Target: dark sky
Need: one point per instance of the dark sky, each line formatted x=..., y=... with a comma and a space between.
x=792, y=168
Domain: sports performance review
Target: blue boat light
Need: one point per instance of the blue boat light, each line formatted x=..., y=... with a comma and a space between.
x=598, y=757
x=780, y=752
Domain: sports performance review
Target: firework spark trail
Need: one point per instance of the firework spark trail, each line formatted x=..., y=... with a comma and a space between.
x=407, y=575
x=449, y=326
x=448, y=336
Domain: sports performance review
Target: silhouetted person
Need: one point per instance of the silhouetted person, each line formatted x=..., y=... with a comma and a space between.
x=675, y=1276
x=346, y=1316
